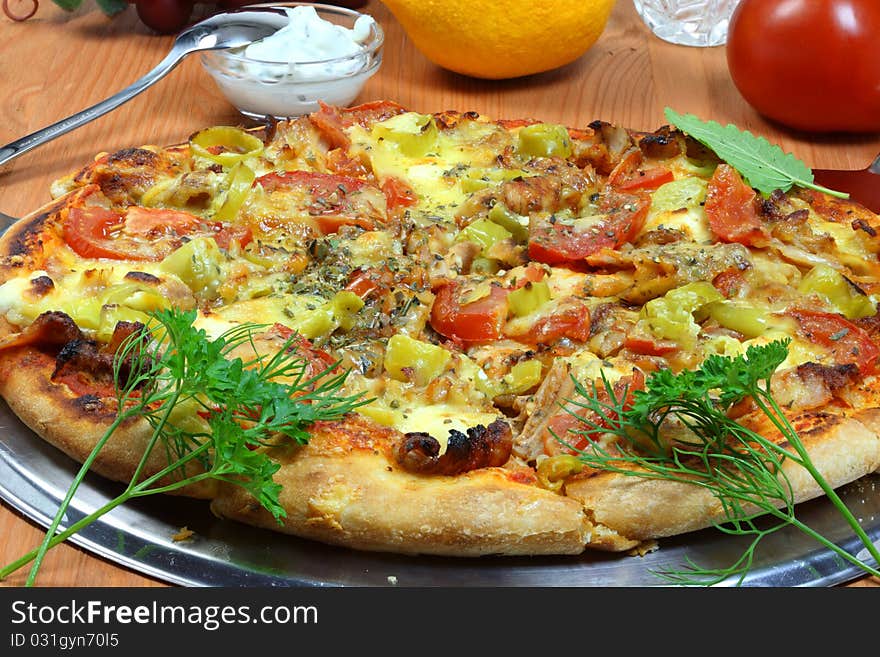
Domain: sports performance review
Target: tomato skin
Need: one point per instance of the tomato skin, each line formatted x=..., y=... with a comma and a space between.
x=398, y=193
x=808, y=64
x=479, y=321
x=88, y=232
x=730, y=208
x=571, y=322
x=847, y=342
x=332, y=208
x=580, y=419
x=555, y=243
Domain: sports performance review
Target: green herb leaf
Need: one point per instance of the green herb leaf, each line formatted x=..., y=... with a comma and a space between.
x=112, y=7
x=68, y=5
x=765, y=166
x=210, y=412
x=741, y=468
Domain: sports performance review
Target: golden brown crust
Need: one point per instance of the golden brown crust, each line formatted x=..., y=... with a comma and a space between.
x=75, y=423
x=842, y=448
x=342, y=488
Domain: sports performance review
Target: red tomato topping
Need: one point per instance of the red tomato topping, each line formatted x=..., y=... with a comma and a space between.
x=847, y=342
x=331, y=122
x=647, y=179
x=649, y=347
x=730, y=282
x=318, y=359
x=554, y=243
x=572, y=321
x=365, y=282
x=478, y=321
x=731, y=210
x=564, y=421
x=398, y=193
x=332, y=205
x=152, y=222
x=89, y=232
x=225, y=235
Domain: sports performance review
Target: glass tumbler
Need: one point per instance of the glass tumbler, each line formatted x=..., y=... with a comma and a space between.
x=688, y=22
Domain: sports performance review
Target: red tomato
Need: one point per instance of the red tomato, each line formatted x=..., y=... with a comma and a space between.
x=331, y=122
x=225, y=235
x=847, y=342
x=564, y=422
x=153, y=222
x=647, y=179
x=478, y=321
x=809, y=64
x=730, y=208
x=398, y=193
x=571, y=321
x=164, y=16
x=331, y=195
x=555, y=242
x=648, y=346
x=89, y=232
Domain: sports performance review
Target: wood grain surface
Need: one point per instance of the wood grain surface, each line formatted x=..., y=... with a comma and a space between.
x=58, y=63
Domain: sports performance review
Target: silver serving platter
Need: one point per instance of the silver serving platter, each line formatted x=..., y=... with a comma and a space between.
x=34, y=477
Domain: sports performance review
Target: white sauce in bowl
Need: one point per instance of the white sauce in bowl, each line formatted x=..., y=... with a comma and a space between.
x=308, y=59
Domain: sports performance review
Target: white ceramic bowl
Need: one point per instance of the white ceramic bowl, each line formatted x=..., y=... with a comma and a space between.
x=285, y=89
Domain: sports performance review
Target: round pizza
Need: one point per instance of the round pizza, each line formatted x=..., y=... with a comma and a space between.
x=464, y=316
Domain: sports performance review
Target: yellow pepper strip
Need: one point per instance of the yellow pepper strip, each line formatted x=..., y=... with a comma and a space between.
x=744, y=318
x=415, y=135
x=528, y=298
x=407, y=359
x=484, y=232
x=510, y=221
x=843, y=296
x=225, y=145
x=553, y=470
x=671, y=317
x=522, y=377
x=544, y=140
x=239, y=183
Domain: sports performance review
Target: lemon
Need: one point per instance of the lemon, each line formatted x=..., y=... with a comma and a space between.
x=494, y=40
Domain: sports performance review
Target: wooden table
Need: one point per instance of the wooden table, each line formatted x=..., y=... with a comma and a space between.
x=57, y=63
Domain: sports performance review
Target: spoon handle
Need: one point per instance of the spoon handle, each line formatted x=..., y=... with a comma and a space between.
x=40, y=137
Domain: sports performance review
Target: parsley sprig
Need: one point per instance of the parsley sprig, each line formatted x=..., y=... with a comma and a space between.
x=741, y=468
x=209, y=411
x=765, y=166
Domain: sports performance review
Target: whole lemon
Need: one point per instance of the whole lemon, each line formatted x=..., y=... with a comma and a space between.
x=494, y=39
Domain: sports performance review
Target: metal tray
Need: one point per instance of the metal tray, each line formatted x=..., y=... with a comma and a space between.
x=34, y=477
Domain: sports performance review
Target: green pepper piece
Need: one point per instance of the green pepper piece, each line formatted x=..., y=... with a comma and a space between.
x=837, y=290
x=671, y=317
x=239, y=183
x=415, y=135
x=225, y=145
x=407, y=359
x=544, y=140
x=528, y=298
x=509, y=220
x=483, y=232
x=744, y=318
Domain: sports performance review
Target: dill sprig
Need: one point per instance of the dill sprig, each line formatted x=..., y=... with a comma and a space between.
x=741, y=468
x=209, y=411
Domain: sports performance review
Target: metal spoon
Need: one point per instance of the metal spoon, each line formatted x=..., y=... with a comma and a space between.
x=227, y=30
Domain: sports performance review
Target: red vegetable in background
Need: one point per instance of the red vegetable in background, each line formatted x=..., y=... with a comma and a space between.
x=809, y=64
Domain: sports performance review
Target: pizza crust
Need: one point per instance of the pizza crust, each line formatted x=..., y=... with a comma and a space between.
x=344, y=489
x=74, y=424
x=842, y=448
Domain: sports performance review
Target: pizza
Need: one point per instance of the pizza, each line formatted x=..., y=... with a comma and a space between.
x=469, y=276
